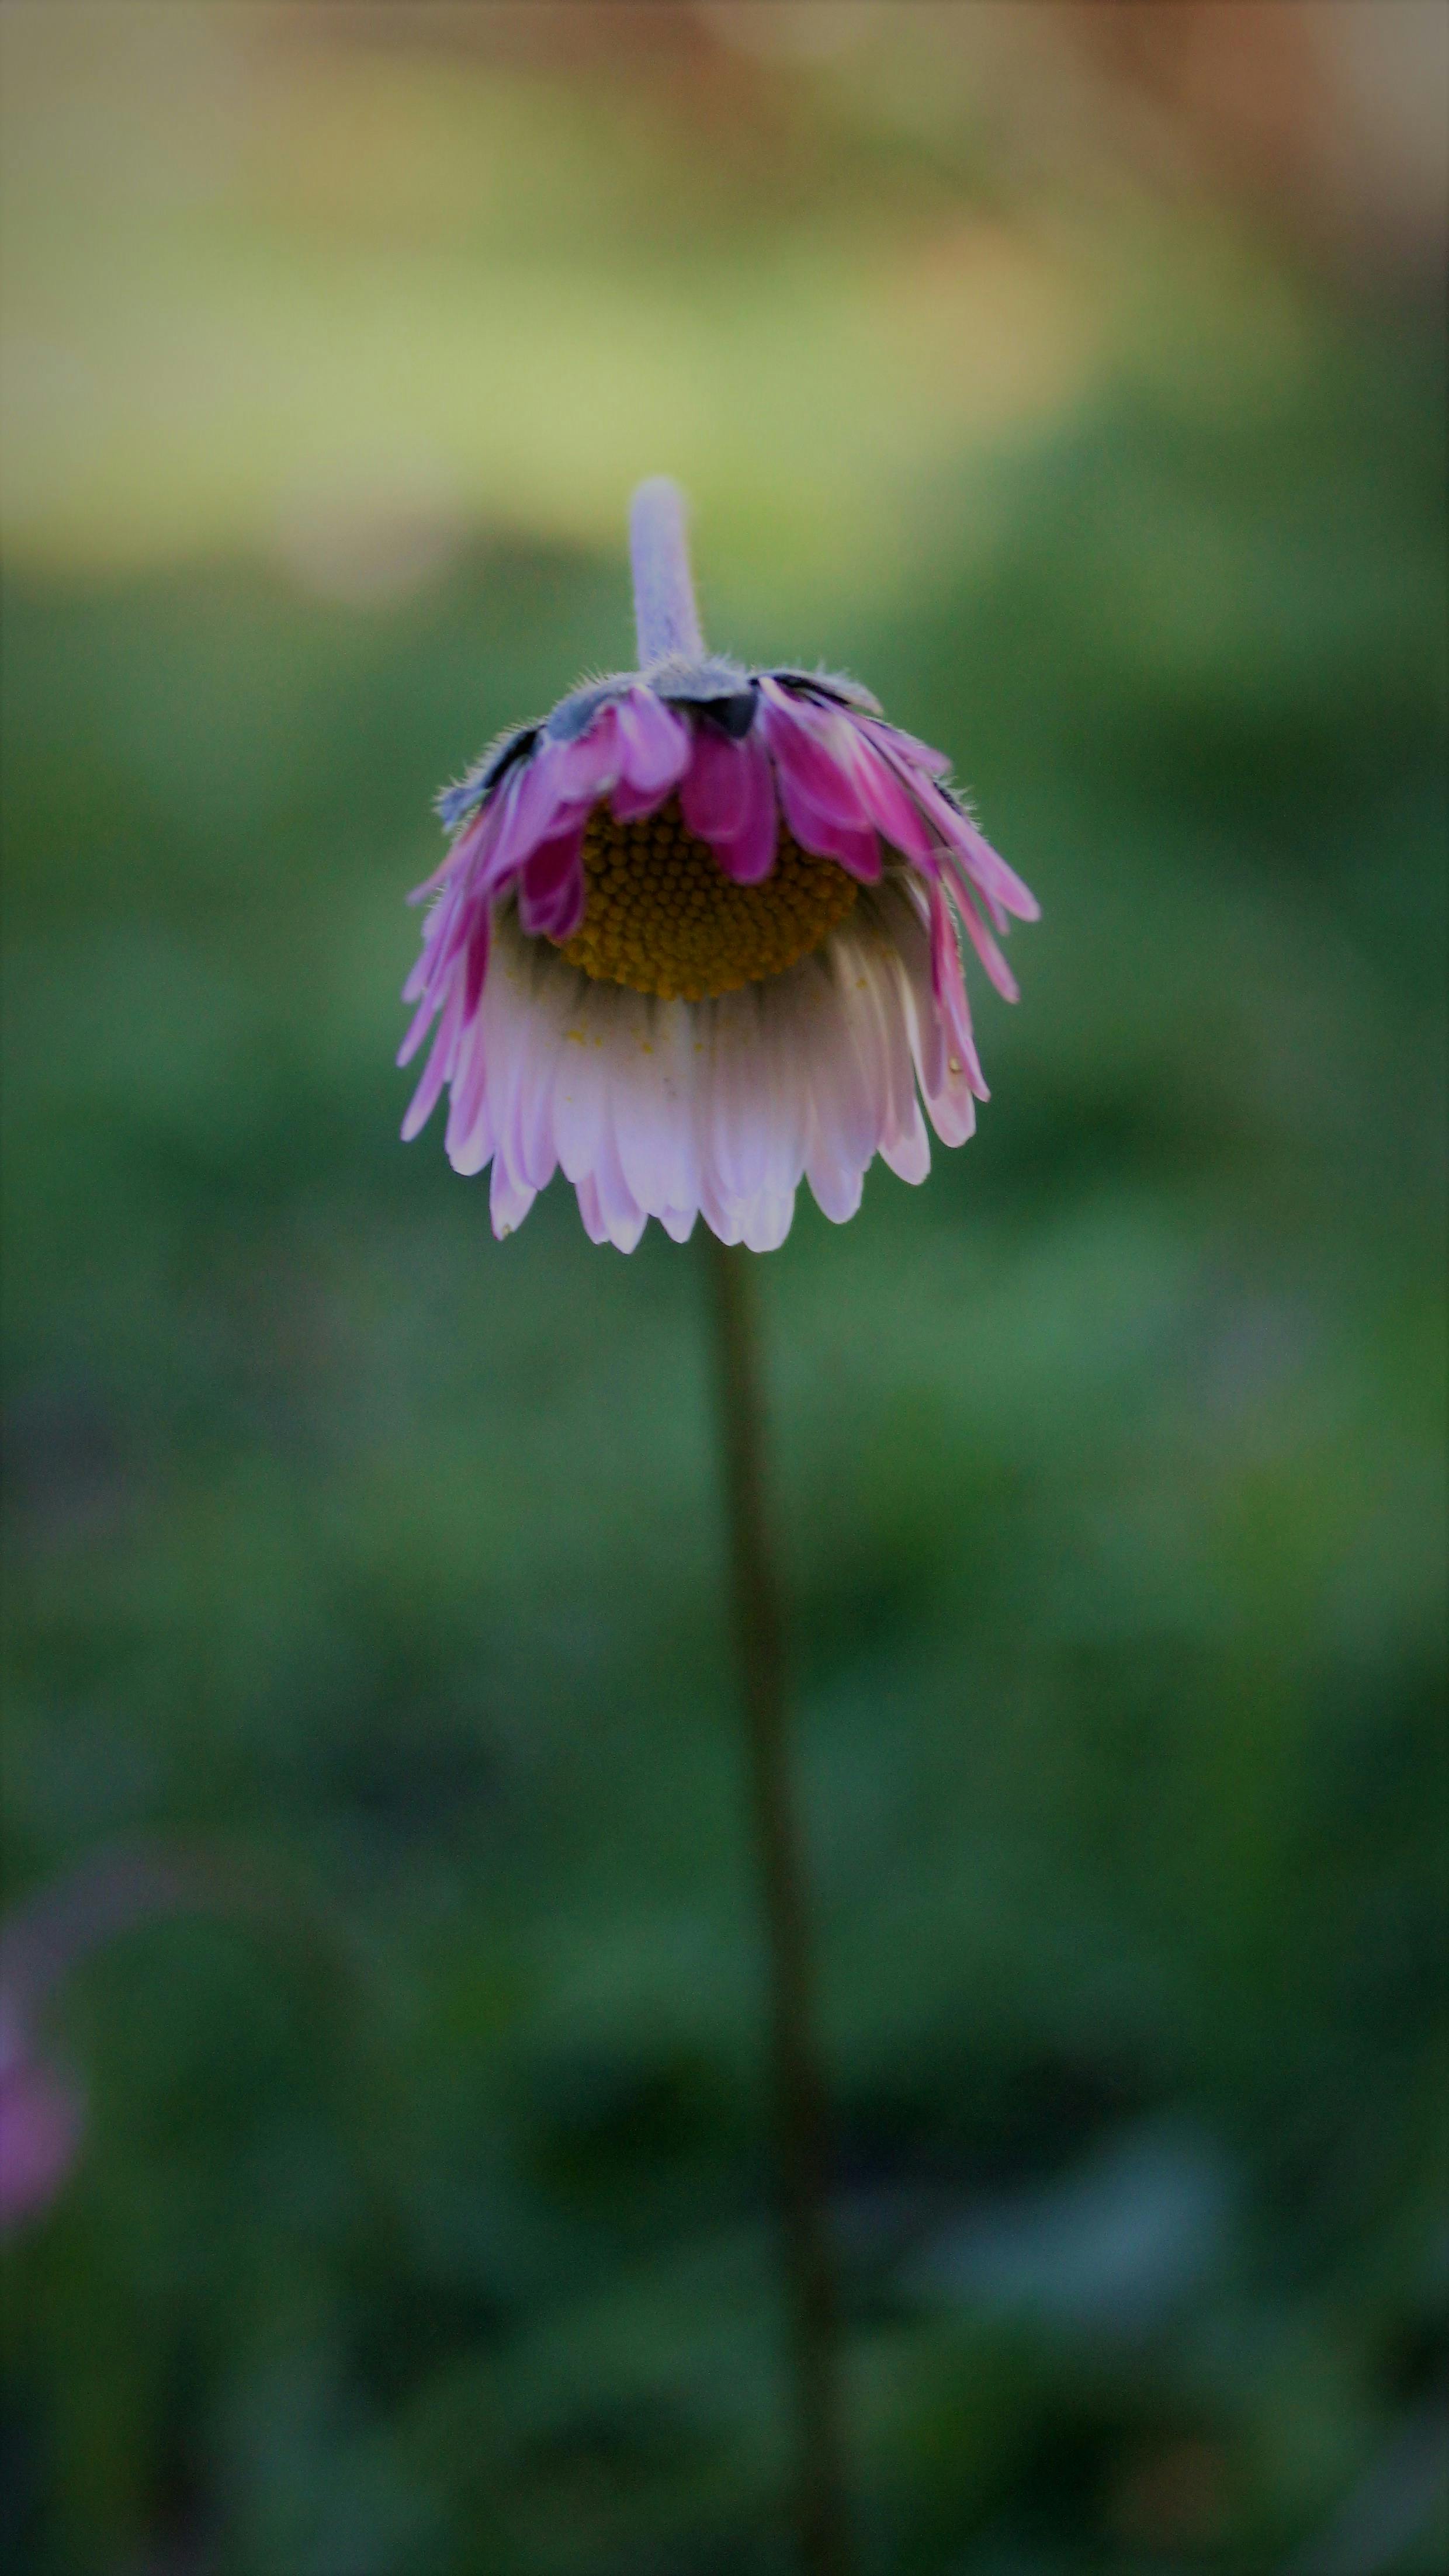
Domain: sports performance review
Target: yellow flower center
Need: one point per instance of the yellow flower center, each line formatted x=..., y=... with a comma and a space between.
x=662, y=916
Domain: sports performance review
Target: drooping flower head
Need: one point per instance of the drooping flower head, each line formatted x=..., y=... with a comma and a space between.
x=697, y=937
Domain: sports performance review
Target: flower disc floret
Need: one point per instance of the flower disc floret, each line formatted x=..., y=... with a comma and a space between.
x=661, y=916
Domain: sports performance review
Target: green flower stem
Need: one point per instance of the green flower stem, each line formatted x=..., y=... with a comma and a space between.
x=799, y=2095
x=665, y=617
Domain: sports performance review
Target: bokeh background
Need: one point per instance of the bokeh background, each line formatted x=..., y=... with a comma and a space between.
x=1073, y=373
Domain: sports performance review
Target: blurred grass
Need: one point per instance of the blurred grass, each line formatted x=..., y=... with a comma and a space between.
x=332, y=275
x=424, y=2223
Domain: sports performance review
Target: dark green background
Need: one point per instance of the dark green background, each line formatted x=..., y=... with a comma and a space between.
x=422, y=2228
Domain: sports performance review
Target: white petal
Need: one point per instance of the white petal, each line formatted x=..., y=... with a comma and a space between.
x=836, y=1179
x=590, y=1210
x=650, y=1088
x=674, y=1109
x=681, y=1056
x=890, y=1004
x=784, y=1081
x=732, y=1128
x=843, y=1129
x=622, y=1214
x=765, y=1223
x=855, y=970
x=909, y=1154
x=948, y=1078
x=508, y=1201
x=581, y=1079
x=721, y=1214
x=953, y=1110
x=912, y=942
x=469, y=1134
x=523, y=1121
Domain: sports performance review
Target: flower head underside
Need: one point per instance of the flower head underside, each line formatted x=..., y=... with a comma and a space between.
x=696, y=937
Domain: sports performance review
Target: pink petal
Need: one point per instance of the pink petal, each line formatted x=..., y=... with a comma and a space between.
x=590, y=767
x=439, y=1067
x=948, y=989
x=655, y=743
x=419, y=973
x=997, y=881
x=629, y=804
x=496, y=862
x=715, y=790
x=473, y=839
x=477, y=961
x=422, y=1021
x=968, y=905
x=890, y=808
x=446, y=927
x=443, y=940
x=802, y=751
x=552, y=892
x=534, y=797
x=854, y=847
x=905, y=747
x=454, y=935
x=749, y=855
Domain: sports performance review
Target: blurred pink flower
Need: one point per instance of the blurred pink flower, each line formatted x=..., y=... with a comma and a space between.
x=41, y=2120
x=698, y=937
x=42, y=2111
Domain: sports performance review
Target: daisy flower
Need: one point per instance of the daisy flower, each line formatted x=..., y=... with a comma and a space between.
x=697, y=937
